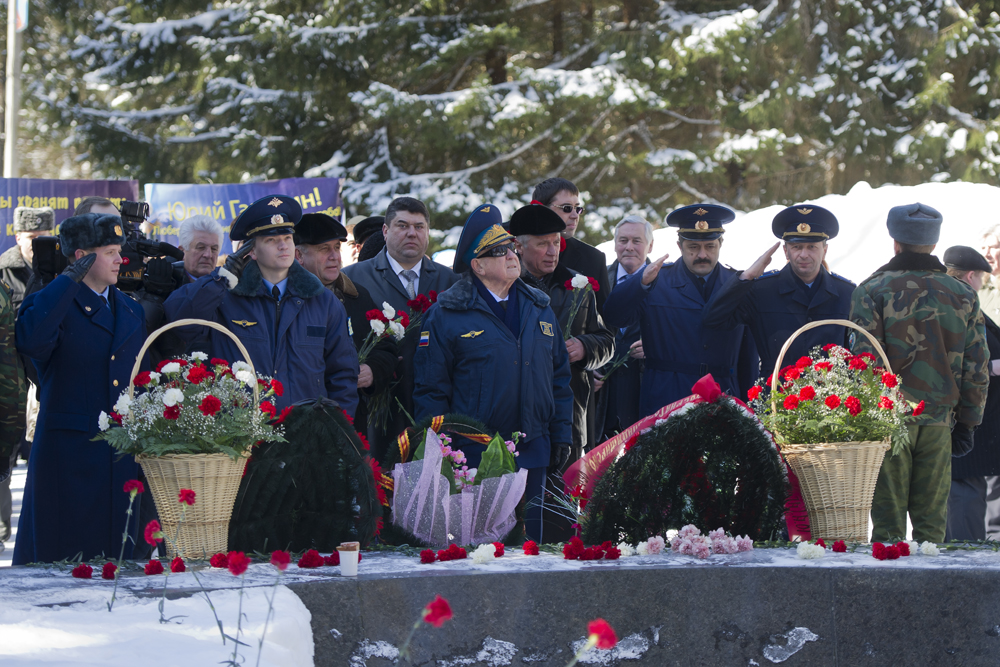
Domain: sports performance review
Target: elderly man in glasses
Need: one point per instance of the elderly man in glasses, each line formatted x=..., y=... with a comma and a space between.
x=491, y=348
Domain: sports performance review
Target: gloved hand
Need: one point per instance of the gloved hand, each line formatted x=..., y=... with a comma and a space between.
x=961, y=440
x=558, y=457
x=78, y=269
x=237, y=261
x=159, y=278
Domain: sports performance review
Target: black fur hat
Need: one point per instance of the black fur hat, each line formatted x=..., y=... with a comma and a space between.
x=90, y=230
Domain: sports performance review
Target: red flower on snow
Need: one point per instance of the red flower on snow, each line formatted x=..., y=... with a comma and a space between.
x=753, y=393
x=219, y=560
x=153, y=533
x=210, y=405
x=198, y=374
x=437, y=612
x=889, y=380
x=172, y=412
x=427, y=556
x=832, y=402
x=839, y=547
x=334, y=558
x=186, y=496
x=134, y=485
x=153, y=567
x=177, y=564
x=807, y=394
x=310, y=560
x=612, y=553
x=237, y=562
x=530, y=548
x=821, y=543
x=878, y=551
x=904, y=548
x=280, y=559
x=573, y=550
x=602, y=634
x=885, y=402
x=498, y=549
x=108, y=571
x=853, y=405
x=919, y=409
x=279, y=389
x=791, y=402
x=82, y=571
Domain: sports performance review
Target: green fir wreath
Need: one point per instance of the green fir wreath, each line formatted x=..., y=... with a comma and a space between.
x=711, y=465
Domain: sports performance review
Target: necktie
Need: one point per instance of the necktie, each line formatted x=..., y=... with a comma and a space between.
x=503, y=304
x=411, y=282
x=622, y=279
x=276, y=293
x=701, y=287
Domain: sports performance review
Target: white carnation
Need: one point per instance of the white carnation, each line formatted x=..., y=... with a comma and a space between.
x=642, y=549
x=122, y=405
x=154, y=378
x=579, y=281
x=246, y=377
x=397, y=330
x=103, y=422
x=388, y=310
x=199, y=356
x=914, y=547
x=378, y=326
x=809, y=551
x=240, y=366
x=172, y=367
x=929, y=549
x=172, y=397
x=626, y=549
x=484, y=553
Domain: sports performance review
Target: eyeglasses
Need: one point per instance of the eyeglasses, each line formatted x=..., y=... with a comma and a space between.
x=568, y=208
x=499, y=251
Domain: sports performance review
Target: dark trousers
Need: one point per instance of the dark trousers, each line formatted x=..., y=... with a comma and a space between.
x=534, y=495
x=966, y=509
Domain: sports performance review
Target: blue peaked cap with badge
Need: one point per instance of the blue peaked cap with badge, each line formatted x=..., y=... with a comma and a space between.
x=805, y=223
x=700, y=222
x=268, y=216
x=483, y=230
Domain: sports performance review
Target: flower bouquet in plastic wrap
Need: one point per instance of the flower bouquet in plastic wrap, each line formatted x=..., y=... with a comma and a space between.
x=440, y=500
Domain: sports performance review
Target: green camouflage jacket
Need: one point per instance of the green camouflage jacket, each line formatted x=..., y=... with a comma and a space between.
x=933, y=333
x=12, y=383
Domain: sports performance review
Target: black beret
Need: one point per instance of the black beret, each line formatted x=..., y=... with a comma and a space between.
x=90, y=230
x=535, y=220
x=367, y=227
x=316, y=228
x=373, y=246
x=964, y=258
x=805, y=223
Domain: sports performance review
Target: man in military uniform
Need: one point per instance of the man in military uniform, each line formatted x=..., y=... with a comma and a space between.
x=774, y=305
x=294, y=329
x=318, y=239
x=931, y=329
x=491, y=348
x=12, y=400
x=15, y=262
x=679, y=350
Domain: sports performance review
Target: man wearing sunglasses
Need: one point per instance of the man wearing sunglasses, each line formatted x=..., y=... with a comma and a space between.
x=563, y=197
x=491, y=348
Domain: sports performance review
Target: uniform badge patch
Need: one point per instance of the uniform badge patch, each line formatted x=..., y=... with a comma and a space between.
x=546, y=328
x=243, y=323
x=425, y=339
x=472, y=334
x=350, y=327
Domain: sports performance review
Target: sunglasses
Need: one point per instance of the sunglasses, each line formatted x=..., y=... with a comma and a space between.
x=568, y=208
x=499, y=251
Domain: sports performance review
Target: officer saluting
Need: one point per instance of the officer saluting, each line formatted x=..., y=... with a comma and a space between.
x=668, y=300
x=775, y=304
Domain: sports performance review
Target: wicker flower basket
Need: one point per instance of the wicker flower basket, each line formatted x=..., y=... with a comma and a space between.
x=837, y=479
x=215, y=479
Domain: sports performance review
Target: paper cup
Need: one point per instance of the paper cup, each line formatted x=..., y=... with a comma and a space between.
x=349, y=558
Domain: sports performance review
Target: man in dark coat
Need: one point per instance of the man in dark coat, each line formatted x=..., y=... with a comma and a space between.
x=590, y=344
x=294, y=328
x=563, y=197
x=491, y=348
x=83, y=336
x=398, y=273
x=318, y=239
x=974, y=475
x=668, y=305
x=15, y=262
x=774, y=305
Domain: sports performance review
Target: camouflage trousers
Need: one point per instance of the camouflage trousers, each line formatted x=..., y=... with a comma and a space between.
x=916, y=480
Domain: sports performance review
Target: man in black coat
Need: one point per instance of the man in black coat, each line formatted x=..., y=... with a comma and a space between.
x=15, y=262
x=974, y=498
x=318, y=239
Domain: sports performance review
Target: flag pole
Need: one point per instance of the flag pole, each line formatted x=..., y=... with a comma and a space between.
x=12, y=97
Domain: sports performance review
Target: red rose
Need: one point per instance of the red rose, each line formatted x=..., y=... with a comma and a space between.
x=891, y=552
x=186, y=496
x=832, y=402
x=279, y=389
x=198, y=374
x=904, y=548
x=594, y=285
x=153, y=567
x=134, y=485
x=807, y=394
x=919, y=409
x=310, y=559
x=820, y=543
x=404, y=320
x=602, y=634
x=885, y=402
x=793, y=374
x=839, y=547
x=280, y=559
x=108, y=571
x=83, y=571
x=823, y=366
x=210, y=405
x=237, y=562
x=219, y=560
x=437, y=612
x=853, y=405
x=153, y=533
x=612, y=553
x=142, y=379
x=376, y=314
x=857, y=364
x=498, y=552
x=530, y=548
x=334, y=559
x=427, y=556
x=803, y=362
x=753, y=393
x=219, y=362
x=177, y=564
x=268, y=408
x=791, y=402
x=889, y=380
x=172, y=412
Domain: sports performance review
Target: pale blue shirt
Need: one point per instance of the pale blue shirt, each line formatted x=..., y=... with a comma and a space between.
x=281, y=286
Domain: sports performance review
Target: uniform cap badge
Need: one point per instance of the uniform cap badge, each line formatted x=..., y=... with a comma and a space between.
x=274, y=202
x=701, y=225
x=803, y=228
x=804, y=211
x=277, y=219
x=700, y=211
x=118, y=230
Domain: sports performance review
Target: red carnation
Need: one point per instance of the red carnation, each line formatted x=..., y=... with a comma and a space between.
x=108, y=571
x=404, y=319
x=177, y=564
x=334, y=559
x=498, y=552
x=182, y=362
x=573, y=549
x=83, y=571
x=219, y=560
x=427, y=556
x=832, y=402
x=153, y=533
x=172, y=412
x=919, y=409
x=210, y=405
x=612, y=553
x=134, y=485
x=753, y=393
x=142, y=379
x=853, y=405
x=839, y=547
x=804, y=362
x=376, y=314
x=889, y=380
x=885, y=402
x=807, y=394
x=219, y=362
x=602, y=634
x=159, y=366
x=432, y=296
x=530, y=548
x=284, y=413
x=568, y=284
x=437, y=612
x=310, y=559
x=186, y=496
x=823, y=366
x=791, y=402
x=820, y=543
x=868, y=355
x=857, y=364
x=829, y=346
x=279, y=389
x=878, y=551
x=268, y=408
x=198, y=374
x=891, y=552
x=904, y=548
x=153, y=567
x=792, y=374
x=594, y=285
x=115, y=417
x=562, y=244
x=237, y=562
x=280, y=559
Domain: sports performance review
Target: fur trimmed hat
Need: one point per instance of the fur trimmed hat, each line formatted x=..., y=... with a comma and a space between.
x=34, y=219
x=90, y=230
x=914, y=224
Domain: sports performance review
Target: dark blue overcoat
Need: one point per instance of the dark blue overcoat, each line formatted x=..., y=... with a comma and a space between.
x=679, y=350
x=73, y=498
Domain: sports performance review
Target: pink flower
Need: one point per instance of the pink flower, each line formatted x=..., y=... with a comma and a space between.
x=280, y=559
x=655, y=545
x=702, y=550
x=717, y=534
x=688, y=531
x=744, y=543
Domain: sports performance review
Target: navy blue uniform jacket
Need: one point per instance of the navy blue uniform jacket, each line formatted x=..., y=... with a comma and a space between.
x=73, y=498
x=309, y=351
x=471, y=364
x=679, y=350
x=775, y=305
